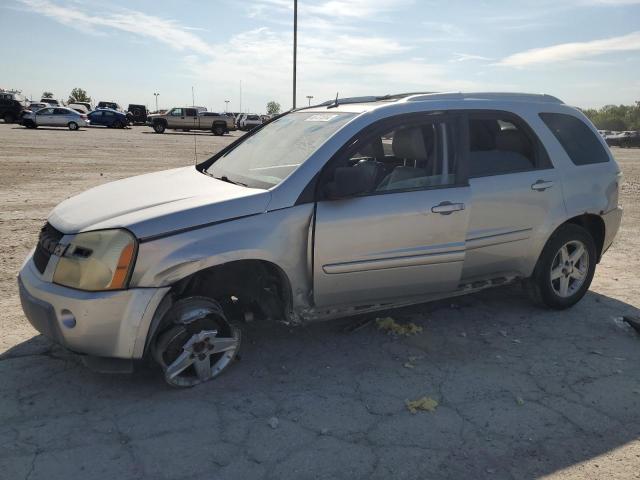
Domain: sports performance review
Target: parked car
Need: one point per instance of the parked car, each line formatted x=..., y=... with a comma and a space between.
x=35, y=106
x=78, y=107
x=86, y=105
x=239, y=118
x=350, y=207
x=250, y=121
x=52, y=102
x=624, y=139
x=55, y=117
x=189, y=118
x=138, y=114
x=110, y=105
x=108, y=118
x=12, y=105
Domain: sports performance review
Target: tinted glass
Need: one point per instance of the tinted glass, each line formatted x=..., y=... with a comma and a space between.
x=498, y=146
x=577, y=139
x=271, y=154
x=191, y=112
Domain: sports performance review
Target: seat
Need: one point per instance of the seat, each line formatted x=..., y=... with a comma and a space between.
x=414, y=146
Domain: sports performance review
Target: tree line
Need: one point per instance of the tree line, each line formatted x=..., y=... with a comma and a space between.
x=615, y=117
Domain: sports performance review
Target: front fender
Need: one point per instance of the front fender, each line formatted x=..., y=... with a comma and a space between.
x=280, y=237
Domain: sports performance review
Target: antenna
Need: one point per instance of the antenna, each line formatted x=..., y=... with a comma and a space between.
x=195, y=148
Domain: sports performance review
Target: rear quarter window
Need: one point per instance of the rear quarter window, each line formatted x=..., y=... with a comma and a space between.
x=578, y=140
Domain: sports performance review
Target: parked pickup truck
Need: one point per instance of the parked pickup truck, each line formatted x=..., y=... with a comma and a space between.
x=186, y=118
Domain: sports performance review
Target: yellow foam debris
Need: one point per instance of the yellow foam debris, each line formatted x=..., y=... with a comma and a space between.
x=392, y=327
x=427, y=404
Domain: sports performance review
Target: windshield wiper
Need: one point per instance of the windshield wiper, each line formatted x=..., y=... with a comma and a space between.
x=224, y=178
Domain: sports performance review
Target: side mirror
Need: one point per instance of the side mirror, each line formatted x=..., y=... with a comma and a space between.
x=350, y=181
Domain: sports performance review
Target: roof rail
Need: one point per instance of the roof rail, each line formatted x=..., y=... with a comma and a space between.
x=510, y=96
x=369, y=99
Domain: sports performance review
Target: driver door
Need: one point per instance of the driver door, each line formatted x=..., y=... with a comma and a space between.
x=404, y=234
x=175, y=119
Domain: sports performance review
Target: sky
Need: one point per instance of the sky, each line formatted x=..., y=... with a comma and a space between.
x=586, y=52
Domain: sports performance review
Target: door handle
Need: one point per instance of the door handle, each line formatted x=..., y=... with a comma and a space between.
x=542, y=185
x=447, y=208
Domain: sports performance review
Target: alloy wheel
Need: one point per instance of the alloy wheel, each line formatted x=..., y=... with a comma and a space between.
x=569, y=268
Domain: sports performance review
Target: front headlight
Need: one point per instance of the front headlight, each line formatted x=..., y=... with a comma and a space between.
x=100, y=260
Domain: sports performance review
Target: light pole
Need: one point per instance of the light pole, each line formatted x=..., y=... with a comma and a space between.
x=156, y=95
x=226, y=106
x=309, y=97
x=295, y=47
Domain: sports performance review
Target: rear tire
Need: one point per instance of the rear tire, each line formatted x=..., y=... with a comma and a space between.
x=218, y=130
x=565, y=268
x=159, y=127
x=8, y=118
x=118, y=125
x=72, y=126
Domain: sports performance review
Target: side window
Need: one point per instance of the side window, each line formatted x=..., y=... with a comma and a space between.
x=60, y=111
x=108, y=114
x=498, y=145
x=408, y=156
x=45, y=111
x=176, y=112
x=191, y=112
x=577, y=139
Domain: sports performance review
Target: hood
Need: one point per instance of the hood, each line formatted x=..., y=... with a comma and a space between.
x=158, y=203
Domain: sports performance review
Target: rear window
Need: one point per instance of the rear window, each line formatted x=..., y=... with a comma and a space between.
x=577, y=139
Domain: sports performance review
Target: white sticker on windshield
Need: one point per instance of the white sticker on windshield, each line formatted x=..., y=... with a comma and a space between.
x=321, y=117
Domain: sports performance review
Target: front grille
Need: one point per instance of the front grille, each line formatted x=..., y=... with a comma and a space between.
x=47, y=242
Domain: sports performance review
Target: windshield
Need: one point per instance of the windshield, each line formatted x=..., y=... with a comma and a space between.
x=271, y=154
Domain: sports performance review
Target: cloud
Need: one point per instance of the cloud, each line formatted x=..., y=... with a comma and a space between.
x=164, y=31
x=466, y=57
x=573, y=51
x=334, y=54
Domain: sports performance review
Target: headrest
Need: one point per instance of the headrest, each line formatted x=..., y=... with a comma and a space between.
x=512, y=140
x=409, y=143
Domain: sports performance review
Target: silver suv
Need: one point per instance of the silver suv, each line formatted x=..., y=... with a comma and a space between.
x=350, y=207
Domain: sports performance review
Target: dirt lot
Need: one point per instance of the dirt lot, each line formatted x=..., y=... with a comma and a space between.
x=522, y=392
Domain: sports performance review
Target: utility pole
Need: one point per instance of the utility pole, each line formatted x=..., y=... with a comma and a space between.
x=309, y=97
x=156, y=95
x=295, y=47
x=240, y=109
x=226, y=106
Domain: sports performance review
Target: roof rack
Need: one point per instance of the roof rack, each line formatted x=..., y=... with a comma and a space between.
x=369, y=99
x=510, y=96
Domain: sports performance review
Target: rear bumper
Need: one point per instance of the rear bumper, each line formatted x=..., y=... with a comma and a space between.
x=612, y=221
x=104, y=324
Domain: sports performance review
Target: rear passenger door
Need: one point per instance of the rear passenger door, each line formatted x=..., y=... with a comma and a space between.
x=515, y=195
x=191, y=118
x=60, y=117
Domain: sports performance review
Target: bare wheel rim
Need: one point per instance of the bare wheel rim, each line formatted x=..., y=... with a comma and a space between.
x=198, y=346
x=569, y=268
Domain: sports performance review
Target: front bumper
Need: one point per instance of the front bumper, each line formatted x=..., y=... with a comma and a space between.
x=104, y=324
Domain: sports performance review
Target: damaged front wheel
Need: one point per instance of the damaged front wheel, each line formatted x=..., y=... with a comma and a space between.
x=198, y=342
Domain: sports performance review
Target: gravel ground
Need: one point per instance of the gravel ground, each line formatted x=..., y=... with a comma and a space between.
x=522, y=392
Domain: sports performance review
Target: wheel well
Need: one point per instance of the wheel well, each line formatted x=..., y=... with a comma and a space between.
x=595, y=226
x=255, y=286
x=159, y=120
